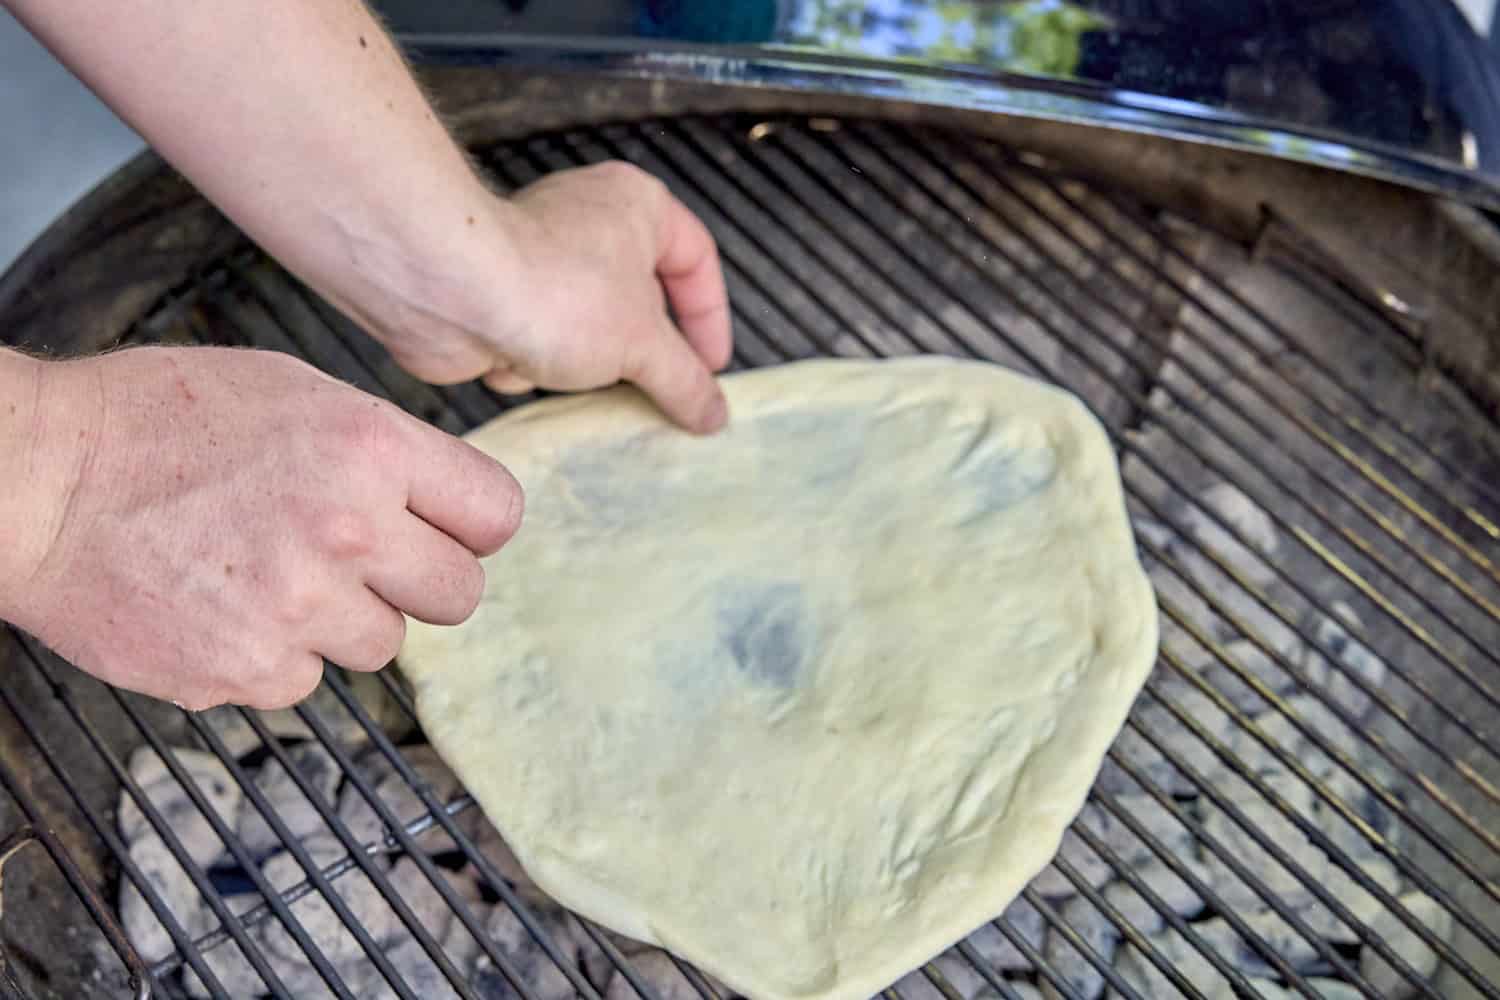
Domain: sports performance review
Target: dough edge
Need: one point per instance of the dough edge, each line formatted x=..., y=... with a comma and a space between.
x=1066, y=764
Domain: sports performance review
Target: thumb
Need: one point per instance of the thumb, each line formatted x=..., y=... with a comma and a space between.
x=446, y=361
x=676, y=378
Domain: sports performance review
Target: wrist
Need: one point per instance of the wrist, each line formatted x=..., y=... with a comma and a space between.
x=47, y=428
x=430, y=294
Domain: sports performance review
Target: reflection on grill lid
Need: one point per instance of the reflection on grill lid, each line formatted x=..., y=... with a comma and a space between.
x=1405, y=89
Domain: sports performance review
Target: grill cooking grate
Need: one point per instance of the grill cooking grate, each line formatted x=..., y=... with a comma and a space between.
x=1213, y=371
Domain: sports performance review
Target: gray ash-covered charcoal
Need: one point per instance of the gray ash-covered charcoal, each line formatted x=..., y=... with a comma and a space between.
x=1182, y=745
x=1087, y=866
x=402, y=800
x=1335, y=989
x=1241, y=661
x=421, y=895
x=992, y=949
x=997, y=950
x=530, y=963
x=1018, y=989
x=1164, y=832
x=919, y=985
x=417, y=971
x=182, y=899
x=1183, y=608
x=1276, y=828
x=1137, y=969
x=318, y=918
x=1275, y=936
x=241, y=739
x=1173, y=892
x=1234, y=508
x=1084, y=978
x=1260, y=989
x=1359, y=672
x=1361, y=903
x=492, y=847
x=957, y=975
x=1295, y=741
x=415, y=966
x=661, y=975
x=319, y=769
x=1361, y=799
x=1406, y=943
x=181, y=814
x=596, y=964
x=1245, y=617
x=236, y=976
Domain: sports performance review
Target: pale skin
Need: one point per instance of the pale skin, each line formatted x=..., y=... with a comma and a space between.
x=207, y=525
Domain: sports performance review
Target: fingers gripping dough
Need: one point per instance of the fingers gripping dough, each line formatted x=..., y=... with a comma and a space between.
x=807, y=701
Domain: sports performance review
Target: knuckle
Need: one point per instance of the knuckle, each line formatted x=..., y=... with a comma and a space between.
x=286, y=685
x=636, y=181
x=295, y=600
x=346, y=534
x=365, y=428
x=619, y=171
x=378, y=645
x=284, y=360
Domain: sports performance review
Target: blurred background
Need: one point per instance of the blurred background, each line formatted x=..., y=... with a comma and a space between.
x=57, y=141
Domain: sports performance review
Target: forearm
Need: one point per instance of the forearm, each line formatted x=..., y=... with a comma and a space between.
x=301, y=122
x=42, y=441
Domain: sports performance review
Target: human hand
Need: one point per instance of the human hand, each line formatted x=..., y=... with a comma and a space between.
x=580, y=300
x=230, y=517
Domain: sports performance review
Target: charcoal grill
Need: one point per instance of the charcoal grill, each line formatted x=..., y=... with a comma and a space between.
x=1258, y=359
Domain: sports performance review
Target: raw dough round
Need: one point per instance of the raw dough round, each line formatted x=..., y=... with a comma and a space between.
x=807, y=701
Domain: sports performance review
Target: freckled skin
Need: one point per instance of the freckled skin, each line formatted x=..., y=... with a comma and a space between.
x=588, y=277
x=234, y=577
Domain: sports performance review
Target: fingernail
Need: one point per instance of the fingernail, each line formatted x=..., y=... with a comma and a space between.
x=717, y=413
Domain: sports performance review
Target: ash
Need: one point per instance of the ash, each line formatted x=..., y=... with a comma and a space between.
x=487, y=946
x=1165, y=845
x=1246, y=829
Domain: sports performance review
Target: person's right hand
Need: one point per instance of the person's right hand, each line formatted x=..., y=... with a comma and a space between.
x=232, y=516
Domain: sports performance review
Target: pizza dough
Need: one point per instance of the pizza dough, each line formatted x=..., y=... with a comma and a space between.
x=808, y=701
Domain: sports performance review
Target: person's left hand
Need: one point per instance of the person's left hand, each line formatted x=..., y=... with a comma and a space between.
x=579, y=298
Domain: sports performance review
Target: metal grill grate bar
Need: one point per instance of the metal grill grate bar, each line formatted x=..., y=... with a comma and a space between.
x=1084, y=217
x=435, y=808
x=159, y=824
x=37, y=831
x=1086, y=268
x=315, y=875
x=1242, y=538
x=1176, y=615
x=617, y=150
x=703, y=206
x=543, y=165
x=763, y=164
x=105, y=831
x=1265, y=392
x=1249, y=588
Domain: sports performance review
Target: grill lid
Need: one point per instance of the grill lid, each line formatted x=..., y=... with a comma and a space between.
x=1400, y=89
